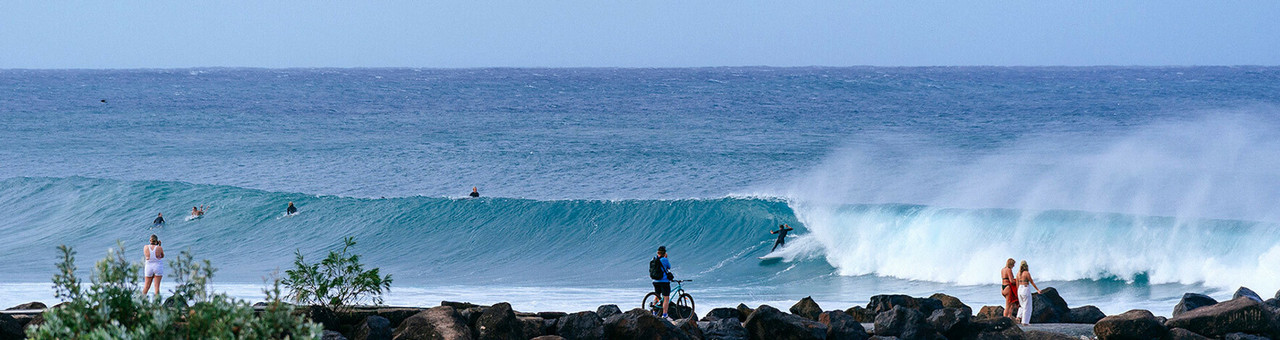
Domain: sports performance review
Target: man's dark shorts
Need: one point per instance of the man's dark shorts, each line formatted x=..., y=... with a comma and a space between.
x=662, y=288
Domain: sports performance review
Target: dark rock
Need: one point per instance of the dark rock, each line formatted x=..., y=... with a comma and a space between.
x=1237, y=315
x=904, y=323
x=581, y=326
x=690, y=327
x=949, y=301
x=459, y=305
x=1246, y=292
x=331, y=335
x=640, y=324
x=842, y=326
x=1182, y=334
x=499, y=323
x=951, y=322
x=1277, y=295
x=552, y=315
x=1132, y=325
x=861, y=314
x=723, y=313
x=29, y=305
x=1042, y=335
x=745, y=311
x=533, y=326
x=990, y=313
x=397, y=315
x=770, y=323
x=998, y=328
x=1244, y=336
x=472, y=316
x=1086, y=314
x=10, y=328
x=1048, y=307
x=606, y=311
x=23, y=320
x=437, y=323
x=36, y=321
x=725, y=329
x=877, y=337
x=928, y=305
x=324, y=316
x=373, y=328
x=806, y=308
x=548, y=337
x=1273, y=303
x=1191, y=301
x=883, y=303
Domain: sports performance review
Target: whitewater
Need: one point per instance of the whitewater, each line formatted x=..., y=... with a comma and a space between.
x=1123, y=187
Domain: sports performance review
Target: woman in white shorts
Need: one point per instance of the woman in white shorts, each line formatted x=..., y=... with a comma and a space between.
x=154, y=269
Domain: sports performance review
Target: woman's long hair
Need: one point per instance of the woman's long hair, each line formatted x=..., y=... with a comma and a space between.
x=1023, y=268
x=155, y=241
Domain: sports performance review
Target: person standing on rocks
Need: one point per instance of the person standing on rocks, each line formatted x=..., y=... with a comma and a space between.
x=662, y=284
x=1024, y=292
x=1007, y=288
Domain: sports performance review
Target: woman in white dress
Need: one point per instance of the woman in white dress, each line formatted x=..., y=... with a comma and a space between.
x=1024, y=293
x=154, y=269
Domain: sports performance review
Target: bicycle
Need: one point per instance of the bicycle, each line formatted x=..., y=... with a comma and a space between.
x=680, y=307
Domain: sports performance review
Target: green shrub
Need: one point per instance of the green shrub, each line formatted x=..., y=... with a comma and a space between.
x=112, y=307
x=338, y=280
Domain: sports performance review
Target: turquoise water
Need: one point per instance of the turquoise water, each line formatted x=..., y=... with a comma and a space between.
x=1124, y=187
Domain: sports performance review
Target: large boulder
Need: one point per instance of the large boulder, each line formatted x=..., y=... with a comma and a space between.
x=640, y=324
x=1246, y=292
x=10, y=328
x=1191, y=301
x=581, y=326
x=883, y=303
x=861, y=314
x=842, y=326
x=472, y=315
x=989, y=313
x=770, y=323
x=548, y=337
x=373, y=328
x=690, y=327
x=997, y=328
x=459, y=305
x=1237, y=315
x=1087, y=314
x=1048, y=307
x=951, y=322
x=605, y=311
x=397, y=315
x=1132, y=325
x=724, y=329
x=744, y=311
x=723, y=313
x=904, y=323
x=949, y=301
x=807, y=308
x=1244, y=336
x=436, y=323
x=331, y=335
x=533, y=326
x=1182, y=334
x=499, y=323
x=29, y=305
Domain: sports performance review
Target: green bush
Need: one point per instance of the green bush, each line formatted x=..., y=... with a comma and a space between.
x=112, y=306
x=338, y=280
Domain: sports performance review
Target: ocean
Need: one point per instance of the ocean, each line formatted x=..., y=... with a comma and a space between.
x=1122, y=187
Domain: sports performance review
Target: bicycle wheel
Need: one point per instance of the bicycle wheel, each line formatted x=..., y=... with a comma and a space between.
x=651, y=303
x=684, y=307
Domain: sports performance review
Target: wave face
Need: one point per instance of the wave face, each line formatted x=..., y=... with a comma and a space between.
x=422, y=240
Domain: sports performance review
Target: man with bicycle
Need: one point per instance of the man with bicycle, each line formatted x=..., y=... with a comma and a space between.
x=660, y=272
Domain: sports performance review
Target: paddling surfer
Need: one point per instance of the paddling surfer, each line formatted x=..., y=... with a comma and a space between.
x=475, y=193
x=159, y=221
x=291, y=209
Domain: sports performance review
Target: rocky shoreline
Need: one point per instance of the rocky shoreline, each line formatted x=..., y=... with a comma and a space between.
x=898, y=317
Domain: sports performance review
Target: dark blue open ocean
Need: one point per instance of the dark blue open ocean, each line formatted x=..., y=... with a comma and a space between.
x=1123, y=187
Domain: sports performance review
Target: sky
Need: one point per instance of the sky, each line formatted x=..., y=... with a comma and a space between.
x=634, y=33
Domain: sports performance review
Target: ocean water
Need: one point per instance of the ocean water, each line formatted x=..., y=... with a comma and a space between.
x=1122, y=187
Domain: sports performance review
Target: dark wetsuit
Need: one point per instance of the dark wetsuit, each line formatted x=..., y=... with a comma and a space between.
x=475, y=194
x=782, y=237
x=159, y=220
x=291, y=210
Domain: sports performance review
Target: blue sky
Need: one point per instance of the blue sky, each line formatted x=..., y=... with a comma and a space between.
x=633, y=33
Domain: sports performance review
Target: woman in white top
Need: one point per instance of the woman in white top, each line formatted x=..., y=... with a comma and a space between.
x=1024, y=292
x=154, y=269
